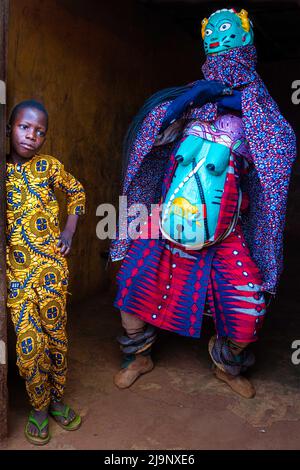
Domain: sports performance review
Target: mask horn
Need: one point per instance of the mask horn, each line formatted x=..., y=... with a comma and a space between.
x=243, y=15
x=204, y=24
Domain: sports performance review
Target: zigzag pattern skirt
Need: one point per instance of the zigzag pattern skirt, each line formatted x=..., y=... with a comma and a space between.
x=169, y=287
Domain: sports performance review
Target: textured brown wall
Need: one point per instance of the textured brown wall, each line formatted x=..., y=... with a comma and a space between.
x=92, y=63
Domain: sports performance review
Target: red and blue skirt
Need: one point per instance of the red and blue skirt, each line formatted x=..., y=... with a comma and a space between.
x=170, y=287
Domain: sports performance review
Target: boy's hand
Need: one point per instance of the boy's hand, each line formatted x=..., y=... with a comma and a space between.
x=65, y=238
x=65, y=242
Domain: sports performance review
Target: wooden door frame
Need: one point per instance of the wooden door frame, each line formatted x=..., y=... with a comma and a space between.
x=4, y=5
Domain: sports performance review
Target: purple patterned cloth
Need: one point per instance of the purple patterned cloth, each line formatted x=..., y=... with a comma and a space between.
x=226, y=130
x=272, y=146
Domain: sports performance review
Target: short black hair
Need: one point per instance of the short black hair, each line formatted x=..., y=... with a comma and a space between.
x=24, y=105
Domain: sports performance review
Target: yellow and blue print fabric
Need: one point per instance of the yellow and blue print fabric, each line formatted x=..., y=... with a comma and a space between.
x=38, y=273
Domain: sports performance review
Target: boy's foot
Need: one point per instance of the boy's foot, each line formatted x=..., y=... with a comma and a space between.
x=64, y=416
x=37, y=427
x=126, y=376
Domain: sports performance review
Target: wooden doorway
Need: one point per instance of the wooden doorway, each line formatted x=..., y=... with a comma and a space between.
x=3, y=316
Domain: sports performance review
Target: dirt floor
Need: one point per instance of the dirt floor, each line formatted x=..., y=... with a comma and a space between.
x=179, y=405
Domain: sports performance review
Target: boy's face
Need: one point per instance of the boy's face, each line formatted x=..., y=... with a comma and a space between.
x=28, y=132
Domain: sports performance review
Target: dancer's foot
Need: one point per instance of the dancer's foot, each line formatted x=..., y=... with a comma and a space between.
x=238, y=384
x=128, y=374
x=228, y=366
x=64, y=416
x=226, y=360
x=37, y=427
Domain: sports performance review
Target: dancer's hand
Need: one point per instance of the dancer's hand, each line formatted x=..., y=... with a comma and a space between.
x=233, y=101
x=200, y=93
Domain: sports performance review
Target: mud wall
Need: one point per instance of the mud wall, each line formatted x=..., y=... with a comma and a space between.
x=92, y=64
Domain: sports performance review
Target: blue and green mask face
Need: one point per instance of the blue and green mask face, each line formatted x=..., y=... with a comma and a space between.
x=225, y=30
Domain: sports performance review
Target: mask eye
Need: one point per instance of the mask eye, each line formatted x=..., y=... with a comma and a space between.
x=208, y=32
x=224, y=26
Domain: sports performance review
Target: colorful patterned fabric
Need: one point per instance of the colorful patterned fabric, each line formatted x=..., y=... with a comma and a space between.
x=37, y=272
x=40, y=321
x=168, y=286
x=226, y=130
x=272, y=148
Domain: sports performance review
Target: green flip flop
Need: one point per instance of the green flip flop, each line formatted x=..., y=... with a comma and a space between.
x=72, y=425
x=37, y=440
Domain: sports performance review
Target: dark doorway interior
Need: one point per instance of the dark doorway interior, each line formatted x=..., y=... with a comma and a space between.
x=93, y=64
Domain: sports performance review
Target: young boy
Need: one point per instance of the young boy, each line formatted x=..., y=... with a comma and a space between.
x=37, y=270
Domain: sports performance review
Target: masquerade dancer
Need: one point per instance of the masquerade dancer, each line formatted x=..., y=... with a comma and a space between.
x=217, y=156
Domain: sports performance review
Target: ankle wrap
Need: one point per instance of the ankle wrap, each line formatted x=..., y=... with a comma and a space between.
x=233, y=364
x=140, y=343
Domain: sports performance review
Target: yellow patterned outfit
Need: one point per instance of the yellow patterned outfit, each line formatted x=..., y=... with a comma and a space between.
x=38, y=273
